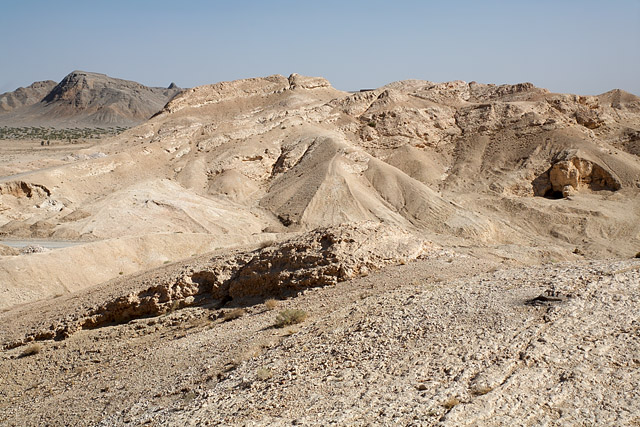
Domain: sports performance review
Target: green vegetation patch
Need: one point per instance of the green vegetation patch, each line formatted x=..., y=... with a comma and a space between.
x=53, y=134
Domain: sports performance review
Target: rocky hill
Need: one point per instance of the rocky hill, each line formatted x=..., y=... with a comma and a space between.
x=83, y=99
x=25, y=96
x=461, y=252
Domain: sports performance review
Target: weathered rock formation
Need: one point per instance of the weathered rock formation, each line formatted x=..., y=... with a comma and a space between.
x=322, y=257
x=20, y=189
x=572, y=175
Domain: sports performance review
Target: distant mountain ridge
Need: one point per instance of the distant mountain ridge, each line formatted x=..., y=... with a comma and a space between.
x=25, y=96
x=83, y=99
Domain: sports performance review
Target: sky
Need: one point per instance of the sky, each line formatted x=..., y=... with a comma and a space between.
x=584, y=47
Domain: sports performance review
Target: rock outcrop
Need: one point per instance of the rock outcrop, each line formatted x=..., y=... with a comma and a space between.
x=20, y=189
x=211, y=94
x=322, y=257
x=303, y=82
x=574, y=174
x=239, y=89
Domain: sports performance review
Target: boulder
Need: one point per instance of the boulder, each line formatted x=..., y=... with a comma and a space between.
x=296, y=81
x=589, y=119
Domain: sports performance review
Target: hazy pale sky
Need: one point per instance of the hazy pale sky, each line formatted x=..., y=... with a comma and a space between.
x=584, y=47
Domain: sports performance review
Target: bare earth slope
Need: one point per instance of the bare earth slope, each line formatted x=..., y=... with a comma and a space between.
x=83, y=99
x=443, y=238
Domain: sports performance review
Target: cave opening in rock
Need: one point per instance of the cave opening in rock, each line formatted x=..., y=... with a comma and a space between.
x=553, y=194
x=576, y=172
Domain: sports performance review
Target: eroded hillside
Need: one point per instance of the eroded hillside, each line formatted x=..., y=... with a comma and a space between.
x=512, y=167
x=417, y=229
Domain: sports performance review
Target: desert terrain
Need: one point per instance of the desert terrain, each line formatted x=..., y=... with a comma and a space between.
x=456, y=253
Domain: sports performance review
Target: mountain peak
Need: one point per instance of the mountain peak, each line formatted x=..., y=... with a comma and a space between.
x=87, y=98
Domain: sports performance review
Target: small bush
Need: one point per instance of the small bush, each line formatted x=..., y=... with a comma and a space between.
x=199, y=322
x=290, y=317
x=372, y=124
x=234, y=314
x=264, y=374
x=271, y=304
x=638, y=255
x=291, y=331
x=450, y=403
x=31, y=349
x=480, y=390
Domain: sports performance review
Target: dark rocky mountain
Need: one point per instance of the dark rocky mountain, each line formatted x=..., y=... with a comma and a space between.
x=84, y=99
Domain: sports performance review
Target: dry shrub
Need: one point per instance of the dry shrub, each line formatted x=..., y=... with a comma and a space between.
x=198, y=322
x=638, y=255
x=234, y=314
x=271, y=304
x=291, y=331
x=264, y=374
x=31, y=349
x=480, y=390
x=290, y=317
x=450, y=403
x=267, y=243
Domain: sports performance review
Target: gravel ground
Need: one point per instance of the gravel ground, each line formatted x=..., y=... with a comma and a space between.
x=450, y=340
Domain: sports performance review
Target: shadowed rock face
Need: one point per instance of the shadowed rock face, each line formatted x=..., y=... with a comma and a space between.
x=580, y=173
x=20, y=189
x=86, y=99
